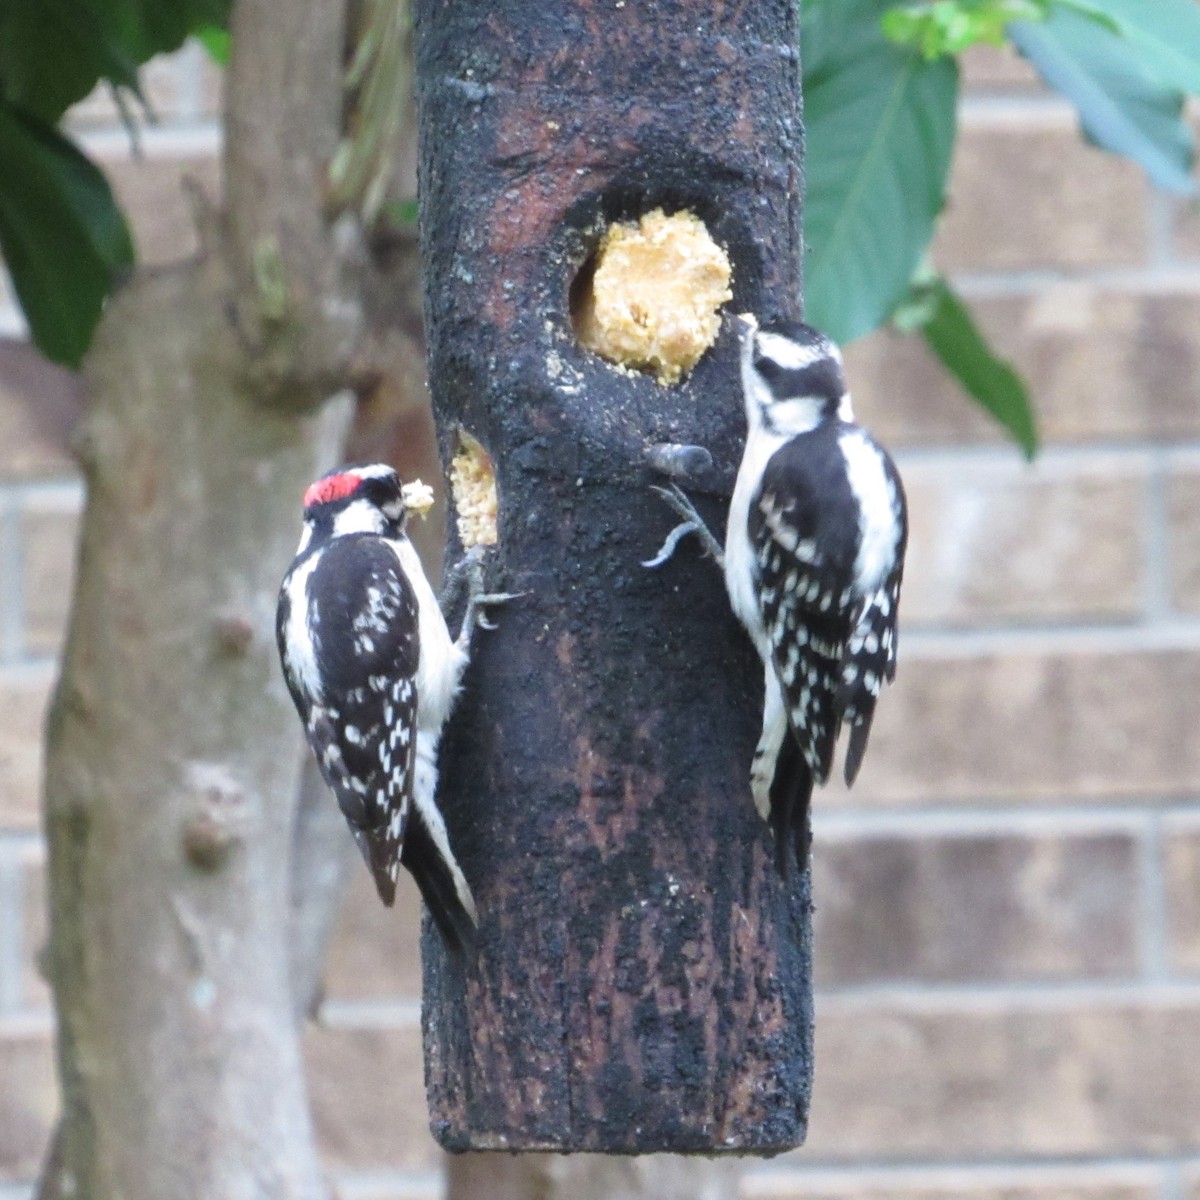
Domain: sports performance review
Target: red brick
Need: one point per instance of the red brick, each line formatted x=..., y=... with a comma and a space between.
x=367, y=1097
x=1003, y=543
x=1099, y=365
x=48, y=546
x=948, y=908
x=1184, y=507
x=22, y=712
x=1028, y=193
x=998, y=69
x=1005, y=1079
x=1042, y=728
x=1181, y=850
x=35, y=992
x=151, y=192
x=40, y=405
x=28, y=1098
x=376, y=952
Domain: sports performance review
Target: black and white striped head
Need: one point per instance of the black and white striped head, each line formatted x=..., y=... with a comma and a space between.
x=366, y=499
x=792, y=377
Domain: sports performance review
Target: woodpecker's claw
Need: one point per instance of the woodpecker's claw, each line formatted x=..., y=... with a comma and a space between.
x=693, y=522
x=478, y=600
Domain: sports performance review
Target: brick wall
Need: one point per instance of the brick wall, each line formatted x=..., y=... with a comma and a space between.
x=1008, y=905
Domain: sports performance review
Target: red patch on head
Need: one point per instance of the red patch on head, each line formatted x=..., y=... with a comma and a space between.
x=332, y=487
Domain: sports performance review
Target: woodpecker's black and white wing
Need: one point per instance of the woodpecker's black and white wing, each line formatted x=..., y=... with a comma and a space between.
x=352, y=672
x=870, y=656
x=803, y=531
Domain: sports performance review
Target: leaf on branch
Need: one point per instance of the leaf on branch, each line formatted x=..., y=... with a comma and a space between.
x=215, y=42
x=1163, y=35
x=951, y=333
x=951, y=26
x=879, y=126
x=1123, y=107
x=54, y=52
x=61, y=233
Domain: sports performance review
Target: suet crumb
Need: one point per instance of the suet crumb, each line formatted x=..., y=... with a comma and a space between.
x=655, y=294
x=473, y=485
x=418, y=497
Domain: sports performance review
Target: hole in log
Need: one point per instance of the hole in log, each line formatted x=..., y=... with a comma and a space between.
x=473, y=487
x=649, y=296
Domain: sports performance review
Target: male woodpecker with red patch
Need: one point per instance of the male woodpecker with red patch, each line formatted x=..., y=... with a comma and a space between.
x=373, y=672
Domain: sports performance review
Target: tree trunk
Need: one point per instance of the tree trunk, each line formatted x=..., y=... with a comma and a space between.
x=172, y=771
x=172, y=751
x=644, y=979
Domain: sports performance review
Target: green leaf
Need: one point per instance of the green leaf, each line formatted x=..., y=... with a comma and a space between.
x=951, y=26
x=1121, y=107
x=61, y=234
x=216, y=42
x=879, y=126
x=54, y=52
x=955, y=339
x=1164, y=37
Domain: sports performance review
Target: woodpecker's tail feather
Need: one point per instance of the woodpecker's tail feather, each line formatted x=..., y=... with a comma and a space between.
x=857, y=746
x=791, y=801
x=369, y=848
x=442, y=885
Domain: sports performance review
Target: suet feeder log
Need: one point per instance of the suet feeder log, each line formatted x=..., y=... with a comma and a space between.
x=643, y=979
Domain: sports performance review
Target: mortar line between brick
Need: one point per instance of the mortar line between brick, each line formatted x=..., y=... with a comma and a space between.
x=1130, y=453
x=369, y=1014
x=934, y=998
x=1029, y=1169
x=189, y=83
x=196, y=139
x=66, y=493
x=12, y=322
x=1174, y=1186
x=1155, y=934
x=353, y=1184
x=1178, y=634
x=1174, y=277
x=30, y=673
x=921, y=823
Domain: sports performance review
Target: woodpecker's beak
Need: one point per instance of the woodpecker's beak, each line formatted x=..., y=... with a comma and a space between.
x=745, y=323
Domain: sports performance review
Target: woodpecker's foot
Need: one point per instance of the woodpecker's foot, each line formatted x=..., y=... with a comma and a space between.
x=693, y=522
x=453, y=584
x=478, y=600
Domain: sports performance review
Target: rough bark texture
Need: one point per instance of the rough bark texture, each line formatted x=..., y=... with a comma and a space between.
x=172, y=773
x=173, y=753
x=643, y=983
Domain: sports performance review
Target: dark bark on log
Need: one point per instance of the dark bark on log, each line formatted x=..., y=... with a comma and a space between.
x=644, y=979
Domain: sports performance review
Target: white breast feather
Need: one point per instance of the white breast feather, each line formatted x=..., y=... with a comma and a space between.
x=441, y=662
x=740, y=569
